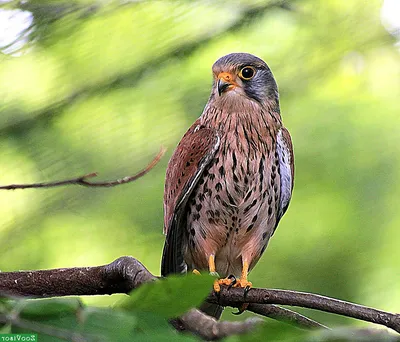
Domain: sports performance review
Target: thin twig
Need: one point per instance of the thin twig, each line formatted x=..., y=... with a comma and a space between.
x=285, y=315
x=83, y=180
x=210, y=329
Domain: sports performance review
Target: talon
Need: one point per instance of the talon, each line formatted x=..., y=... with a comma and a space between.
x=246, y=291
x=233, y=280
x=244, y=283
x=196, y=272
x=225, y=281
x=242, y=309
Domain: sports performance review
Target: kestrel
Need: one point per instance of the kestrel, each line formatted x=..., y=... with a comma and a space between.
x=230, y=179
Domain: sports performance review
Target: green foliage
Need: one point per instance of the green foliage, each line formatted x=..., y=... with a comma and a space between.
x=273, y=331
x=349, y=335
x=278, y=332
x=69, y=319
x=48, y=307
x=170, y=297
x=143, y=316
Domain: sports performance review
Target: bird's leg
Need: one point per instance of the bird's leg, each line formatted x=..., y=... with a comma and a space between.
x=211, y=265
x=218, y=282
x=243, y=282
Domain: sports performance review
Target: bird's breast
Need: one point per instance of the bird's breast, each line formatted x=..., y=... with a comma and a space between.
x=234, y=205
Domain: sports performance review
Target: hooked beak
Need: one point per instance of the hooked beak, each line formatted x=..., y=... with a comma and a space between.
x=222, y=86
x=225, y=82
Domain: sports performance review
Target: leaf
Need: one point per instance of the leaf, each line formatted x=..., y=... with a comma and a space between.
x=280, y=332
x=66, y=319
x=170, y=297
x=5, y=329
x=353, y=335
x=273, y=331
x=153, y=327
x=108, y=324
x=35, y=308
x=100, y=324
x=69, y=319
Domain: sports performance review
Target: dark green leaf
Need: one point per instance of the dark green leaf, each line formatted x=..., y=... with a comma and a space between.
x=49, y=307
x=170, y=297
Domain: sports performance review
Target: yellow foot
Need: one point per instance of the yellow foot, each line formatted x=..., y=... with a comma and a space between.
x=196, y=272
x=226, y=281
x=244, y=283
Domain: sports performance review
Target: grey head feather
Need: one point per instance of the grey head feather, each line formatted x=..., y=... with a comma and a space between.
x=262, y=87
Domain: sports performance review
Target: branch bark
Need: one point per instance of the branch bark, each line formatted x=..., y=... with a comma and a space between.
x=121, y=276
x=284, y=315
x=83, y=180
x=235, y=297
x=126, y=274
x=208, y=328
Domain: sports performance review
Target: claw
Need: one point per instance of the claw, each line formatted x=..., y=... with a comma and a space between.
x=225, y=281
x=246, y=291
x=231, y=281
x=196, y=272
x=246, y=285
x=232, y=278
x=242, y=309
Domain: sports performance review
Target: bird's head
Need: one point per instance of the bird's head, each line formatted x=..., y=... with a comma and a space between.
x=242, y=77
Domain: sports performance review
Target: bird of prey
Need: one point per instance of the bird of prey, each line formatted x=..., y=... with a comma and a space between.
x=230, y=179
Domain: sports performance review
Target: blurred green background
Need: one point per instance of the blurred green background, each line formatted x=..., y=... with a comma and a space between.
x=100, y=86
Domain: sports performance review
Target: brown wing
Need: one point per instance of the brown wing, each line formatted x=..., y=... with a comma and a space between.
x=286, y=170
x=194, y=152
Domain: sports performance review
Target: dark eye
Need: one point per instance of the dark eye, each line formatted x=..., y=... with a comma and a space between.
x=247, y=73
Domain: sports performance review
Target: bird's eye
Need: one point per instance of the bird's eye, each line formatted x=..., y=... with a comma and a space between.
x=247, y=73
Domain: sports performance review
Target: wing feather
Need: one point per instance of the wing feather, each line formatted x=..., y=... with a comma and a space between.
x=191, y=157
x=286, y=167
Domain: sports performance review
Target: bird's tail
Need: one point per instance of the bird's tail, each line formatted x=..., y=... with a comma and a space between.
x=213, y=310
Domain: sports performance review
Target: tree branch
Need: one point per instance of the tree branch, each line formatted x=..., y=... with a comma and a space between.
x=127, y=273
x=235, y=297
x=210, y=329
x=120, y=276
x=83, y=180
x=284, y=315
